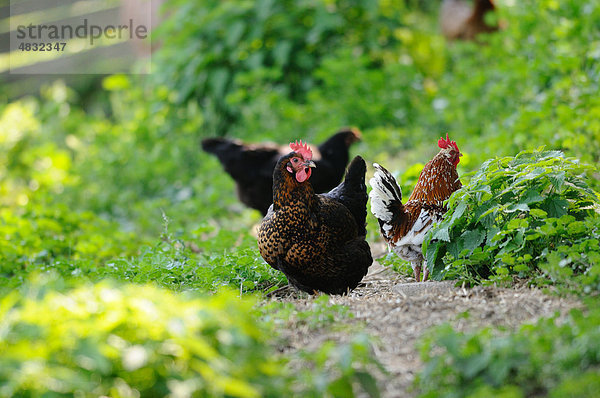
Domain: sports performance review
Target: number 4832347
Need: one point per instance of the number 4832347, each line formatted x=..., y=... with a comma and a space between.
x=42, y=46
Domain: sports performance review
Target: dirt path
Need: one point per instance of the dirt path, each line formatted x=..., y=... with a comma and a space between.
x=398, y=312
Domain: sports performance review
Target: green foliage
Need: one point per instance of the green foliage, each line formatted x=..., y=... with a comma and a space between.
x=333, y=370
x=32, y=163
x=127, y=167
x=86, y=248
x=320, y=314
x=553, y=358
x=515, y=213
x=342, y=371
x=215, y=51
x=208, y=259
x=532, y=84
x=118, y=188
x=573, y=263
x=133, y=340
x=38, y=238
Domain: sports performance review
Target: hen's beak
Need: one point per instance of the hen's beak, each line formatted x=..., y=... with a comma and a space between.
x=310, y=163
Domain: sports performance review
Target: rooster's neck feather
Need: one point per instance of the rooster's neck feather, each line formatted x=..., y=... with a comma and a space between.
x=437, y=181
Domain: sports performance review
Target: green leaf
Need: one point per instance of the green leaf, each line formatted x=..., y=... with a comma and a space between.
x=264, y=9
x=531, y=175
x=517, y=207
x=551, y=155
x=441, y=234
x=558, y=180
x=476, y=363
x=458, y=212
x=434, y=255
x=368, y=383
x=548, y=229
x=341, y=388
x=538, y=213
x=577, y=228
x=555, y=207
x=491, y=233
x=516, y=223
x=282, y=51
x=235, y=32
x=473, y=239
x=116, y=83
x=218, y=81
x=532, y=196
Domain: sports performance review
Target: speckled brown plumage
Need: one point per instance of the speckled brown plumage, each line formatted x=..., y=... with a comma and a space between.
x=437, y=181
x=315, y=240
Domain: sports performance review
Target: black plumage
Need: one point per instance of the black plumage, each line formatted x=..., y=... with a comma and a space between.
x=251, y=165
x=317, y=241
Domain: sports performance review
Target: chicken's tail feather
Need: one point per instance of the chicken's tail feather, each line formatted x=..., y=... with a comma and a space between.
x=386, y=197
x=352, y=193
x=355, y=175
x=354, y=184
x=230, y=154
x=218, y=145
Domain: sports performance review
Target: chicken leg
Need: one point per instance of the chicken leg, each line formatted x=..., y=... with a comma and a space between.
x=417, y=266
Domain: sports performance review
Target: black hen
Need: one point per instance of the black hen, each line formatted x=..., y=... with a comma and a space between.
x=251, y=165
x=317, y=241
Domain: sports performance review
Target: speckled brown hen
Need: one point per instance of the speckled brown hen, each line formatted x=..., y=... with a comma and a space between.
x=317, y=241
x=404, y=226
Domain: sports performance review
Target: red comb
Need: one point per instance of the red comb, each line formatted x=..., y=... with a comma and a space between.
x=302, y=149
x=445, y=143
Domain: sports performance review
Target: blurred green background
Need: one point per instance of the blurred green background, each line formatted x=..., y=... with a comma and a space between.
x=107, y=179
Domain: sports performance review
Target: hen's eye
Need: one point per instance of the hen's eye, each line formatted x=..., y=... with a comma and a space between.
x=295, y=160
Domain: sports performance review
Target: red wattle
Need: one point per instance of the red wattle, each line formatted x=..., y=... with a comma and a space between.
x=302, y=175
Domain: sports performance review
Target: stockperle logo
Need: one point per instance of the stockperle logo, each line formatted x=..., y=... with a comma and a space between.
x=79, y=37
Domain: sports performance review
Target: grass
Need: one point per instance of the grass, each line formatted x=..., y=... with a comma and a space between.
x=118, y=189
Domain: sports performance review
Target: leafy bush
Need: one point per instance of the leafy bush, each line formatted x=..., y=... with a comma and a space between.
x=121, y=167
x=37, y=238
x=515, y=213
x=81, y=246
x=573, y=263
x=533, y=83
x=214, y=51
x=186, y=265
x=132, y=340
x=553, y=358
x=351, y=92
x=33, y=164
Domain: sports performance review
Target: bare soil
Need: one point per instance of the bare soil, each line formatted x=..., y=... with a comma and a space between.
x=398, y=311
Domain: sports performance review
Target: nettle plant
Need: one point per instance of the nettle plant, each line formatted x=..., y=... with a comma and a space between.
x=519, y=215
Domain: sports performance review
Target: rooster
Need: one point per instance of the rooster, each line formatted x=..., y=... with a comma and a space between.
x=404, y=226
x=317, y=241
x=251, y=165
x=460, y=20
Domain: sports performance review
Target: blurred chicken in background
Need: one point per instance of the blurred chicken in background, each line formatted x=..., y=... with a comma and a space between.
x=461, y=20
x=252, y=165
